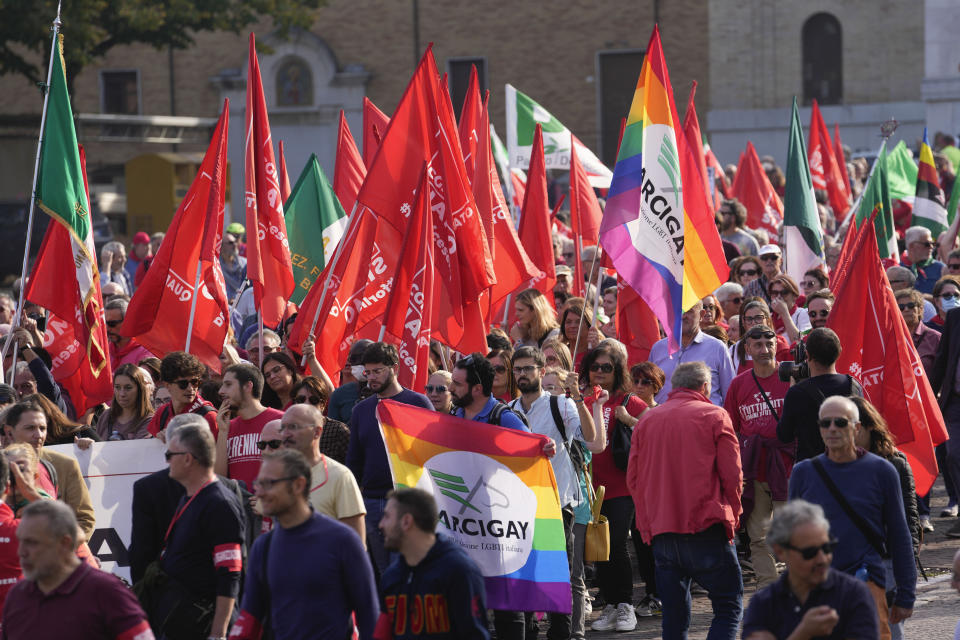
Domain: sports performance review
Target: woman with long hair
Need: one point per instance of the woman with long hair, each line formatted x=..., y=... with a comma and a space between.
x=574, y=333
x=789, y=318
x=131, y=409
x=536, y=321
x=556, y=354
x=60, y=429
x=814, y=280
x=280, y=374
x=606, y=368
x=504, y=384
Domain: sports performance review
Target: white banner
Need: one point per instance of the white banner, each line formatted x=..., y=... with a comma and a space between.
x=110, y=469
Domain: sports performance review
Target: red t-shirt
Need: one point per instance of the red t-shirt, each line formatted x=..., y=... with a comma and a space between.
x=750, y=413
x=605, y=472
x=243, y=457
x=10, y=572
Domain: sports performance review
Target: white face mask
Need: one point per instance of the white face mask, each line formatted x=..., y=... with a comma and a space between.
x=357, y=371
x=949, y=303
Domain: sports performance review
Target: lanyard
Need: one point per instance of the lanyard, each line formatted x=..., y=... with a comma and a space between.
x=326, y=474
x=184, y=508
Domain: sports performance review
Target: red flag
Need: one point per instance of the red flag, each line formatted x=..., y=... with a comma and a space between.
x=535, y=227
x=75, y=336
x=851, y=240
x=841, y=159
x=878, y=350
x=268, y=252
x=159, y=312
x=349, y=171
x=375, y=124
x=585, y=215
x=691, y=132
x=284, y=178
x=823, y=165
x=519, y=184
x=409, y=310
x=636, y=324
x=753, y=189
x=470, y=117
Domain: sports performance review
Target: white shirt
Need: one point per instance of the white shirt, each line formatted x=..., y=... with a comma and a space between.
x=540, y=419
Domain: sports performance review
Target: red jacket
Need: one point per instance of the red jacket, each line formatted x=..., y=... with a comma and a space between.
x=10, y=572
x=684, y=471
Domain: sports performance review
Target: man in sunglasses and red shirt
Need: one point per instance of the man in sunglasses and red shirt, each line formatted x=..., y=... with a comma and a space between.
x=181, y=374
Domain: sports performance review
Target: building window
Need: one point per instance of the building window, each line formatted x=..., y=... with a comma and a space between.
x=822, y=60
x=617, y=74
x=458, y=78
x=294, y=84
x=120, y=92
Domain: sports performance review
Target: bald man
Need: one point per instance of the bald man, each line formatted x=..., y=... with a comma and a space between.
x=333, y=490
x=271, y=438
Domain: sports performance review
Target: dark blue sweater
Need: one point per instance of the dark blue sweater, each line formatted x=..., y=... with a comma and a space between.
x=366, y=455
x=872, y=487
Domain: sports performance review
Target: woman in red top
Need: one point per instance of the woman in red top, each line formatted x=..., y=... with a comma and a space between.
x=606, y=367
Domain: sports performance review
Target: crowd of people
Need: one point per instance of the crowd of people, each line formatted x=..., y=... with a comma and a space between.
x=743, y=455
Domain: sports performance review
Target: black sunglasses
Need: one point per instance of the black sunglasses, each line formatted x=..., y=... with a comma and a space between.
x=642, y=382
x=114, y=323
x=167, y=455
x=809, y=553
x=500, y=368
x=770, y=257
x=192, y=382
x=748, y=272
x=314, y=400
x=273, y=444
x=908, y=305
x=440, y=388
x=840, y=422
x=605, y=367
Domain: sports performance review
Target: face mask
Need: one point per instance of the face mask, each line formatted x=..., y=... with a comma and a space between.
x=949, y=303
x=357, y=371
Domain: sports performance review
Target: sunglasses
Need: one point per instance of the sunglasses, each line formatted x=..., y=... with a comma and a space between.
x=440, y=388
x=949, y=296
x=114, y=323
x=761, y=335
x=928, y=245
x=748, y=272
x=500, y=368
x=168, y=455
x=605, y=367
x=909, y=305
x=955, y=266
x=770, y=257
x=819, y=314
x=642, y=382
x=184, y=384
x=709, y=307
x=825, y=423
x=777, y=292
x=273, y=444
x=314, y=400
x=809, y=553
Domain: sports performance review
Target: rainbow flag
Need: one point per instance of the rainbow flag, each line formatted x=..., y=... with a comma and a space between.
x=657, y=226
x=496, y=495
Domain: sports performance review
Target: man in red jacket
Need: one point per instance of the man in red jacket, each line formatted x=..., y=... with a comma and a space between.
x=685, y=478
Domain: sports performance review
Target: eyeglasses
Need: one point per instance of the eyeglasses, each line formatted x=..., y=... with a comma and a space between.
x=114, y=323
x=499, y=368
x=188, y=382
x=748, y=272
x=440, y=388
x=709, y=307
x=373, y=372
x=269, y=483
x=770, y=257
x=809, y=553
x=314, y=400
x=273, y=444
x=606, y=367
x=291, y=427
x=954, y=266
x=949, y=296
x=754, y=319
x=909, y=305
x=777, y=292
x=825, y=423
x=819, y=314
x=809, y=284
x=930, y=244
x=167, y=455
x=275, y=371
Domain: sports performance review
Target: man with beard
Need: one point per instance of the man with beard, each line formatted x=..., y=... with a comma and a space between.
x=569, y=425
x=471, y=390
x=237, y=455
x=309, y=577
x=771, y=261
x=366, y=454
x=333, y=489
x=430, y=569
x=754, y=402
x=831, y=603
x=733, y=217
x=819, y=305
x=122, y=349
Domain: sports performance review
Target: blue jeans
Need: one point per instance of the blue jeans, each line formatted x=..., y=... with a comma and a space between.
x=378, y=554
x=710, y=559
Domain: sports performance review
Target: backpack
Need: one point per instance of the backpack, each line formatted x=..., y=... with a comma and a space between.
x=575, y=451
x=497, y=411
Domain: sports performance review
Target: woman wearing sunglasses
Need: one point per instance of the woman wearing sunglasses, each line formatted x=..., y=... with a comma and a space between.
x=789, y=319
x=335, y=436
x=280, y=373
x=605, y=367
x=814, y=280
x=648, y=379
x=504, y=384
x=946, y=297
x=925, y=339
x=130, y=410
x=438, y=390
x=753, y=312
x=745, y=270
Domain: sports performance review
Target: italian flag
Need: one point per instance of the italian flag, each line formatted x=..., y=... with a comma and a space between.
x=802, y=235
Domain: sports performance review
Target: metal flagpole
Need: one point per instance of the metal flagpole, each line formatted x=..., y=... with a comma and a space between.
x=33, y=198
x=886, y=130
x=193, y=306
x=583, y=310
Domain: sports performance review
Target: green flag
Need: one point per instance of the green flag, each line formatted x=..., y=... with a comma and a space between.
x=803, y=237
x=315, y=223
x=901, y=173
x=876, y=195
x=952, y=205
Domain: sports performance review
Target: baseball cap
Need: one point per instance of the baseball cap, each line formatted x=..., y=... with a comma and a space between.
x=235, y=227
x=769, y=248
x=563, y=270
x=141, y=237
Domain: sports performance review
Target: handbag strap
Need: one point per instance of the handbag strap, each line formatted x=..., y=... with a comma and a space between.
x=875, y=541
x=765, y=396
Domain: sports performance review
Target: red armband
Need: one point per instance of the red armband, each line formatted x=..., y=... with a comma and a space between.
x=140, y=632
x=227, y=556
x=246, y=627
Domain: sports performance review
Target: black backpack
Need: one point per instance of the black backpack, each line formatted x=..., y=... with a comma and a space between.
x=497, y=412
x=575, y=450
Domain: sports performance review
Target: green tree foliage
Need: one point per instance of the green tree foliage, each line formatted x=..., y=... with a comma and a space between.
x=93, y=27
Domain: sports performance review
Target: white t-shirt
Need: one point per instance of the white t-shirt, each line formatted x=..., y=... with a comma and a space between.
x=540, y=419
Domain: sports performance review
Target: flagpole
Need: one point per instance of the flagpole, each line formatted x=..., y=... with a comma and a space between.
x=506, y=312
x=193, y=305
x=886, y=130
x=583, y=310
x=33, y=198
